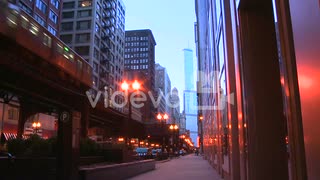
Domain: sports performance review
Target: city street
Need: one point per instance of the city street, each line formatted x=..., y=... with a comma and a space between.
x=188, y=167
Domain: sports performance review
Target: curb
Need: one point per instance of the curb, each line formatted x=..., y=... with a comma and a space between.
x=163, y=161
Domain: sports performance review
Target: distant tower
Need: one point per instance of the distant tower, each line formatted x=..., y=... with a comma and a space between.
x=188, y=70
x=175, y=111
x=190, y=96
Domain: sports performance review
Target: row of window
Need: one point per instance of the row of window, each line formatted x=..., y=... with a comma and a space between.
x=80, y=14
x=136, y=49
x=81, y=25
x=136, y=67
x=136, y=55
x=136, y=38
x=80, y=38
x=136, y=61
x=81, y=4
x=43, y=8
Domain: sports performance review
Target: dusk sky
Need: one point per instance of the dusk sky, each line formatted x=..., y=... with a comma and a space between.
x=172, y=24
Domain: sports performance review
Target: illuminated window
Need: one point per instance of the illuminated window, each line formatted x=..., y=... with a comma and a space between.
x=34, y=29
x=46, y=40
x=53, y=17
x=41, y=6
x=85, y=3
x=52, y=30
x=39, y=20
x=55, y=3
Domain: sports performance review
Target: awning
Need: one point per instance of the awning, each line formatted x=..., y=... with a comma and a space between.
x=9, y=136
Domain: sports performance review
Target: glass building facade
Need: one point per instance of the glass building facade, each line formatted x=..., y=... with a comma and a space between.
x=256, y=90
x=190, y=96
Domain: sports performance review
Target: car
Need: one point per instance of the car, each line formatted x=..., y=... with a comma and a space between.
x=143, y=152
x=182, y=152
x=6, y=155
x=156, y=152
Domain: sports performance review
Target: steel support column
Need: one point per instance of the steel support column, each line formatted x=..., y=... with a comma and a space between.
x=267, y=156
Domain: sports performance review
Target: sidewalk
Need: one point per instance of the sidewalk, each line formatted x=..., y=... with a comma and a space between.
x=188, y=167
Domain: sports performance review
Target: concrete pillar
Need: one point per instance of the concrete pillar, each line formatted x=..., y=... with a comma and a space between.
x=267, y=156
x=85, y=113
x=66, y=157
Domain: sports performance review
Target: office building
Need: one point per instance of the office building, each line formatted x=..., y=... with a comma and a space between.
x=163, y=85
x=140, y=61
x=257, y=90
x=96, y=31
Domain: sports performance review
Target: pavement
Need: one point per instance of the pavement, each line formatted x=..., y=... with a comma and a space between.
x=188, y=167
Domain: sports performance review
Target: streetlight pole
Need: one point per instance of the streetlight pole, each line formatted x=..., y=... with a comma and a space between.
x=126, y=87
x=201, y=134
x=163, y=118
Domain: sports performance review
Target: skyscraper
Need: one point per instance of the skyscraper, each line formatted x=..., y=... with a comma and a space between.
x=190, y=96
x=162, y=83
x=96, y=31
x=140, y=61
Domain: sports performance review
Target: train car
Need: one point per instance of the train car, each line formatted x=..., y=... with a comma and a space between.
x=27, y=32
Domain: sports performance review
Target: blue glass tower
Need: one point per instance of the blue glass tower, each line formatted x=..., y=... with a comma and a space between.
x=190, y=96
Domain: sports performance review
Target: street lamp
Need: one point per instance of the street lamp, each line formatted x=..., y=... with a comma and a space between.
x=126, y=87
x=174, y=128
x=36, y=126
x=201, y=134
x=162, y=117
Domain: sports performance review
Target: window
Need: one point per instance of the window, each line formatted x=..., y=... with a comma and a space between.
x=98, y=17
x=218, y=10
x=47, y=40
x=84, y=13
x=25, y=8
x=39, y=20
x=97, y=28
x=96, y=40
x=52, y=30
x=82, y=25
x=41, y=6
x=85, y=4
x=96, y=54
x=68, y=5
x=98, y=8
x=55, y=3
x=82, y=50
x=82, y=38
x=13, y=113
x=95, y=81
x=66, y=38
x=67, y=26
x=95, y=67
x=66, y=15
x=79, y=64
x=53, y=17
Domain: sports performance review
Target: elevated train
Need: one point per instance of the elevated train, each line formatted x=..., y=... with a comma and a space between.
x=28, y=33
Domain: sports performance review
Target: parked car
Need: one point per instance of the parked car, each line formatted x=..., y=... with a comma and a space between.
x=182, y=152
x=6, y=155
x=156, y=152
x=144, y=153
